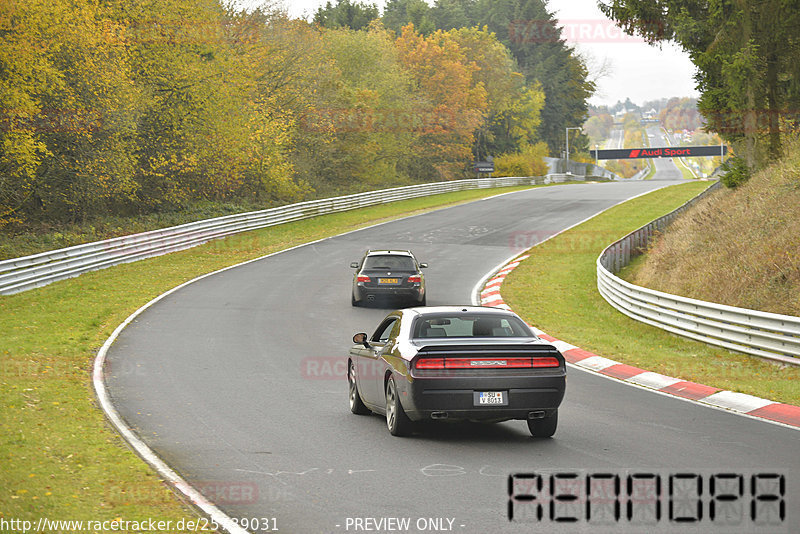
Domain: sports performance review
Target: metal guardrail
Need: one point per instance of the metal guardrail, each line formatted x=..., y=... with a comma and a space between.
x=21, y=274
x=766, y=335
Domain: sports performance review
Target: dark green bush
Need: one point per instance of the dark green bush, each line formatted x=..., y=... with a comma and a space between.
x=736, y=172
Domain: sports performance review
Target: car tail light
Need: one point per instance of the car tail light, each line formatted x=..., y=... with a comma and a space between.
x=415, y=279
x=430, y=363
x=547, y=361
x=362, y=278
x=488, y=363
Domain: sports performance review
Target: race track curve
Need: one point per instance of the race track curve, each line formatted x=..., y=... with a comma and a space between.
x=236, y=381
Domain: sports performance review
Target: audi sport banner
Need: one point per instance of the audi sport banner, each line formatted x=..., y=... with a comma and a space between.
x=662, y=152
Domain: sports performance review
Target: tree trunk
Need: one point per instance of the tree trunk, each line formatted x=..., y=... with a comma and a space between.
x=773, y=105
x=750, y=117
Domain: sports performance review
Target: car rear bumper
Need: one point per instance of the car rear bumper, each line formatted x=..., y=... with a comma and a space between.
x=368, y=293
x=454, y=398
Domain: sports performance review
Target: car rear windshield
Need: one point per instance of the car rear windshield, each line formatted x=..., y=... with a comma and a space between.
x=474, y=325
x=390, y=263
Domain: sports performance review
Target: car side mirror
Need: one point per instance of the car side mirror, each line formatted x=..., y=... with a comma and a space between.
x=423, y=265
x=354, y=265
x=361, y=338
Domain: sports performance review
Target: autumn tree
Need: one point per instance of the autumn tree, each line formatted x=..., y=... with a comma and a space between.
x=129, y=107
x=532, y=35
x=513, y=110
x=362, y=121
x=450, y=98
x=73, y=116
x=153, y=105
x=193, y=120
x=24, y=73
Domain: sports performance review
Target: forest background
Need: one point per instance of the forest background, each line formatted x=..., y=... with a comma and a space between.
x=128, y=109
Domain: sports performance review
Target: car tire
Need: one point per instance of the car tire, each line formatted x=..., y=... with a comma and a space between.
x=544, y=428
x=396, y=419
x=353, y=301
x=356, y=404
x=424, y=300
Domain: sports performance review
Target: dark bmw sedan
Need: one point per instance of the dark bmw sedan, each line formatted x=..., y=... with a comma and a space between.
x=456, y=363
x=384, y=275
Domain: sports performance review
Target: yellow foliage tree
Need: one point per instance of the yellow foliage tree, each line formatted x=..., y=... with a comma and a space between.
x=450, y=96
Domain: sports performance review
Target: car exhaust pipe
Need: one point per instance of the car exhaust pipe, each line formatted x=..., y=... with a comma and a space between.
x=370, y=298
x=538, y=414
x=439, y=415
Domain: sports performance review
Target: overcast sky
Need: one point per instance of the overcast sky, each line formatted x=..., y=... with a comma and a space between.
x=632, y=68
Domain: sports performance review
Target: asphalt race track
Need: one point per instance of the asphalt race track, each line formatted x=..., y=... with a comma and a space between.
x=665, y=167
x=237, y=382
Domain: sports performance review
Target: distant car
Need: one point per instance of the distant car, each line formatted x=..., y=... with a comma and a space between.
x=456, y=363
x=388, y=275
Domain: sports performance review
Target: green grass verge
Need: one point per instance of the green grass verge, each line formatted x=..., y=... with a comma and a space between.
x=60, y=458
x=629, y=271
x=556, y=290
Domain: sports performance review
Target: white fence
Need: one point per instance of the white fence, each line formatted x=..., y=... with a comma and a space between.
x=766, y=335
x=21, y=274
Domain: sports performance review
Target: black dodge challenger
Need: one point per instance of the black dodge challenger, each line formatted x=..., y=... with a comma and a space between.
x=456, y=363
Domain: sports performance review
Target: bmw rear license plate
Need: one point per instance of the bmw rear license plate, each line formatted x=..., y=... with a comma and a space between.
x=388, y=280
x=492, y=398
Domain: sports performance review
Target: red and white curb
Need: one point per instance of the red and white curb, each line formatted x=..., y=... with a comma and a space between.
x=784, y=414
